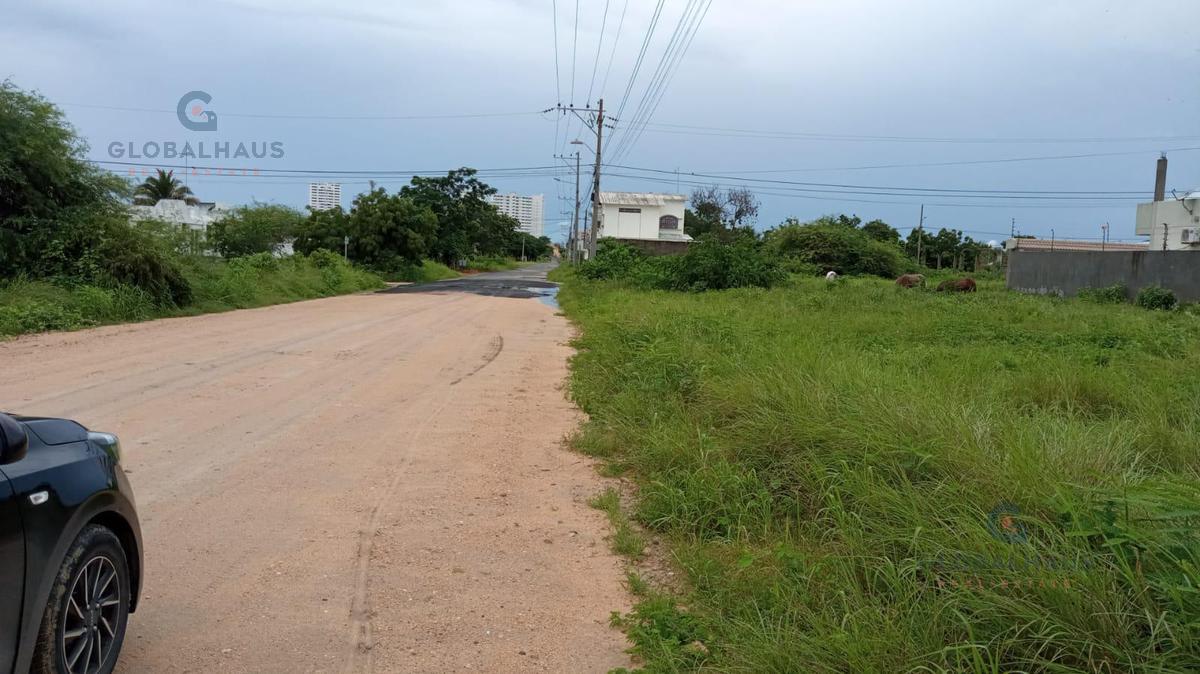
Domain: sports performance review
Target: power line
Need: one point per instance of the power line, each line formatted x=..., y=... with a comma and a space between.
x=669, y=74
x=689, y=129
x=574, y=45
x=557, y=77
x=611, y=54
x=969, y=162
x=637, y=65
x=249, y=115
x=884, y=187
x=656, y=76
x=599, y=44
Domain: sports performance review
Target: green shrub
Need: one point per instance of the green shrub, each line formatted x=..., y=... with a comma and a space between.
x=1156, y=297
x=710, y=264
x=832, y=247
x=1113, y=294
x=613, y=260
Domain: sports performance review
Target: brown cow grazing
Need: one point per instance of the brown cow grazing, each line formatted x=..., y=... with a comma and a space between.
x=911, y=281
x=957, y=285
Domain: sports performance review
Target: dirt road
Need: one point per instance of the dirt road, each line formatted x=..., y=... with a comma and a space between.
x=372, y=482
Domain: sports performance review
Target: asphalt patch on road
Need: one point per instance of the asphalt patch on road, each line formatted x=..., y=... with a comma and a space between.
x=515, y=288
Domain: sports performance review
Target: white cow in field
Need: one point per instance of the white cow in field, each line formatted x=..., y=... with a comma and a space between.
x=831, y=276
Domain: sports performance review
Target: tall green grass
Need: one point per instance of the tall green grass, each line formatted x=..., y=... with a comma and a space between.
x=858, y=478
x=217, y=285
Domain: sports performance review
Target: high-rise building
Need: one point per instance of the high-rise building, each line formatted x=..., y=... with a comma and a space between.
x=525, y=210
x=324, y=196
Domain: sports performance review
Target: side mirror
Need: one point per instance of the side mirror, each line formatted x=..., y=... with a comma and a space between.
x=13, y=440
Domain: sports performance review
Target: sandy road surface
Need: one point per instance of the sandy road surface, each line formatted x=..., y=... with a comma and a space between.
x=372, y=482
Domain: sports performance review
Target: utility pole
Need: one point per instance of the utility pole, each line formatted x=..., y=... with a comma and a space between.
x=1104, y=236
x=575, y=227
x=1012, y=232
x=920, y=234
x=1051, y=239
x=596, y=181
x=589, y=238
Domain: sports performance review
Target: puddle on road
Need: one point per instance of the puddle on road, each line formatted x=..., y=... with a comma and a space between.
x=547, y=296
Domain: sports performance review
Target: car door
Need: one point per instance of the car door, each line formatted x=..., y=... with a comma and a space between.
x=12, y=572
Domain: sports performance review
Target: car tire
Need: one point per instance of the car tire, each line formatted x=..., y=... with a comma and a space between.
x=85, y=610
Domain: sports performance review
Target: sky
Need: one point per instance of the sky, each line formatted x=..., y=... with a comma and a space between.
x=877, y=106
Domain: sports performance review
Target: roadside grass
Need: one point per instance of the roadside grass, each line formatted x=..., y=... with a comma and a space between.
x=427, y=271
x=217, y=285
x=625, y=538
x=855, y=477
x=494, y=264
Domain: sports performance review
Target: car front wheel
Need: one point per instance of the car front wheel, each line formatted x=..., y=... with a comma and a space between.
x=84, y=624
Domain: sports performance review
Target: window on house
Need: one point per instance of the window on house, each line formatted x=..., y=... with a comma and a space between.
x=668, y=222
x=630, y=210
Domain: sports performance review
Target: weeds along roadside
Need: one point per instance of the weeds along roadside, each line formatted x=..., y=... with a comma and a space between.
x=215, y=285
x=855, y=477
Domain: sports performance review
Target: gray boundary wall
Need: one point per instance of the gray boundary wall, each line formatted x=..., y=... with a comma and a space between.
x=1067, y=272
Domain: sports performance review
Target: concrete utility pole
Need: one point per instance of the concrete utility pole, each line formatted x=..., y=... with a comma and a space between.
x=575, y=227
x=596, y=180
x=920, y=233
x=1104, y=236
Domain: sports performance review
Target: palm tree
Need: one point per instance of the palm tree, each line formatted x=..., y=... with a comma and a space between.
x=162, y=186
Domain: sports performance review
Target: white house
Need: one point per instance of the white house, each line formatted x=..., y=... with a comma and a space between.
x=1175, y=222
x=653, y=220
x=195, y=217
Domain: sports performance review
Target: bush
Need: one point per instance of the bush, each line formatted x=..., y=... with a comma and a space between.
x=1156, y=297
x=710, y=264
x=613, y=260
x=843, y=249
x=1113, y=294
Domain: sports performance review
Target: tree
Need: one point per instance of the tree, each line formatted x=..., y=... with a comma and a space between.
x=839, y=220
x=163, y=185
x=258, y=228
x=720, y=212
x=44, y=178
x=831, y=246
x=466, y=223
x=390, y=230
x=881, y=231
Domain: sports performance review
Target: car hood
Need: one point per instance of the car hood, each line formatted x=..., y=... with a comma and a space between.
x=51, y=431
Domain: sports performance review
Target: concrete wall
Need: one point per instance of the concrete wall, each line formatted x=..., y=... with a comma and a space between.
x=1066, y=272
x=656, y=248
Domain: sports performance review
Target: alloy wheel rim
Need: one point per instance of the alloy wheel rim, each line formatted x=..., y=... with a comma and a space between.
x=91, y=617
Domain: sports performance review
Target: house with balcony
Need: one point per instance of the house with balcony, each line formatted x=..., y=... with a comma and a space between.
x=648, y=221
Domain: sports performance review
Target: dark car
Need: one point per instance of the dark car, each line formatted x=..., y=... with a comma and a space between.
x=70, y=547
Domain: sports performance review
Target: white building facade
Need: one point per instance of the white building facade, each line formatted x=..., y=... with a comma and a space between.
x=194, y=217
x=1171, y=224
x=529, y=211
x=642, y=216
x=324, y=196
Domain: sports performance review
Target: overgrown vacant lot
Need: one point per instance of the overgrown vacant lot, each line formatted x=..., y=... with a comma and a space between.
x=860, y=478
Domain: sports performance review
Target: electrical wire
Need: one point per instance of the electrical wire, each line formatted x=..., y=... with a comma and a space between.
x=613, y=53
x=599, y=44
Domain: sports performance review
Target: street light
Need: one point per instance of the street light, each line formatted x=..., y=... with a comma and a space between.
x=580, y=142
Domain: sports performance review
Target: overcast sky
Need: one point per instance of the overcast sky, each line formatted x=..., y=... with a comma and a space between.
x=1009, y=72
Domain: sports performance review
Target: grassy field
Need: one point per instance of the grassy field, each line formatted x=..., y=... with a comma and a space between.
x=857, y=478
x=217, y=285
